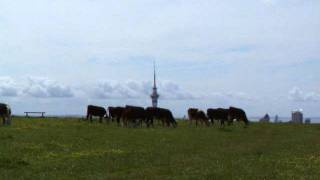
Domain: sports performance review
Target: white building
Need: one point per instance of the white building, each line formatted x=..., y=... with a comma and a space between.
x=307, y=121
x=297, y=117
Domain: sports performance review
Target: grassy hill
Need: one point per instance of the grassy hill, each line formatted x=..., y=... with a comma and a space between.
x=73, y=149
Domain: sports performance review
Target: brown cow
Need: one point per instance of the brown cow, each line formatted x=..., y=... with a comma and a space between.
x=133, y=114
x=238, y=115
x=201, y=116
x=116, y=113
x=96, y=111
x=164, y=115
x=219, y=114
x=192, y=113
x=197, y=115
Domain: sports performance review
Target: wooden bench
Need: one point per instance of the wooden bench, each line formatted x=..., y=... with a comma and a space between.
x=42, y=113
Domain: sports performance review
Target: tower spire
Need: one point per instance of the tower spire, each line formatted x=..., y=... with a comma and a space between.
x=154, y=75
x=154, y=96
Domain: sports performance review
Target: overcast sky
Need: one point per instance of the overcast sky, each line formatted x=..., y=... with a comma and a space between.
x=261, y=55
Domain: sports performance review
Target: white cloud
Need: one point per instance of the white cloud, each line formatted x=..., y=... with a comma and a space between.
x=46, y=88
x=117, y=90
x=167, y=90
x=138, y=90
x=8, y=87
x=296, y=94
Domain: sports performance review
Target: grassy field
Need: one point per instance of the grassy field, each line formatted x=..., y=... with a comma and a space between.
x=73, y=149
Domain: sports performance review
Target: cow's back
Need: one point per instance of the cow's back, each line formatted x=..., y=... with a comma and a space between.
x=96, y=110
x=133, y=112
x=192, y=113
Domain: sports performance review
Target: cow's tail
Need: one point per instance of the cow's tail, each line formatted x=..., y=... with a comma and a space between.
x=8, y=116
x=246, y=121
x=173, y=121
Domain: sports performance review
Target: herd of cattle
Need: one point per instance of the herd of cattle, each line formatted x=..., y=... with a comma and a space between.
x=135, y=115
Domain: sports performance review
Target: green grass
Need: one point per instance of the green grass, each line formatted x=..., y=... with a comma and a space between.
x=73, y=149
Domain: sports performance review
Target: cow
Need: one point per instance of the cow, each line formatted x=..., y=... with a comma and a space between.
x=162, y=114
x=192, y=113
x=201, y=116
x=5, y=114
x=238, y=115
x=197, y=115
x=218, y=114
x=96, y=111
x=116, y=113
x=133, y=114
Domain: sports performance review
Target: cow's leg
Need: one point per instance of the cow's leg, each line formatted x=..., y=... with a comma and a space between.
x=151, y=121
x=207, y=123
x=100, y=119
x=90, y=118
x=108, y=120
x=168, y=123
x=124, y=121
x=10, y=120
x=127, y=122
x=190, y=122
x=118, y=121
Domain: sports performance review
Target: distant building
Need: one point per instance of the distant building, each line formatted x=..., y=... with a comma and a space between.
x=266, y=118
x=297, y=117
x=307, y=121
x=154, y=96
x=276, y=119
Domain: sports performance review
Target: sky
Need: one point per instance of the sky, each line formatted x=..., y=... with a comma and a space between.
x=59, y=56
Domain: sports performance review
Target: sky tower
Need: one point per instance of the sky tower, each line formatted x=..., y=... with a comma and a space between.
x=154, y=96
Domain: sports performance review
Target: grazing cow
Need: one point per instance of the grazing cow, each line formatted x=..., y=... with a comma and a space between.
x=96, y=111
x=133, y=114
x=197, y=115
x=219, y=114
x=238, y=115
x=5, y=113
x=116, y=113
x=192, y=113
x=164, y=115
x=201, y=116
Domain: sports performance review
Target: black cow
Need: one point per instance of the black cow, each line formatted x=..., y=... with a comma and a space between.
x=219, y=114
x=133, y=114
x=5, y=113
x=201, y=116
x=197, y=115
x=192, y=113
x=238, y=115
x=116, y=113
x=96, y=111
x=162, y=114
